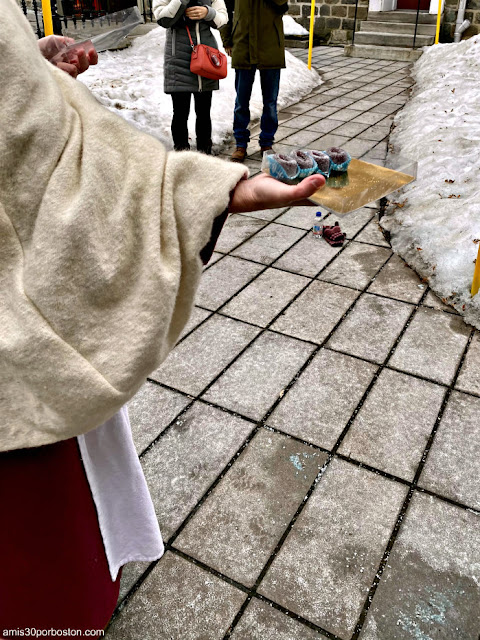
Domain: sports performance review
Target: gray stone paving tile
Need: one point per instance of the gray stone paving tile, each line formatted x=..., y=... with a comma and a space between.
x=434, y=301
x=371, y=329
x=376, y=132
x=216, y=256
x=253, y=165
x=301, y=217
x=340, y=103
x=308, y=256
x=235, y=531
x=263, y=622
x=265, y=297
x=323, y=111
x=353, y=222
x=372, y=234
x=325, y=126
x=223, y=280
x=301, y=138
x=369, y=118
x=318, y=99
x=269, y=243
x=393, y=426
x=182, y=465
x=374, y=160
x=358, y=147
x=469, y=378
x=385, y=108
x=336, y=91
x=321, y=402
x=194, y=362
x=346, y=115
x=151, y=410
x=366, y=104
x=299, y=122
x=430, y=587
x=237, y=229
x=253, y=383
x=299, y=107
x=329, y=140
x=283, y=132
x=265, y=214
x=335, y=547
x=350, y=129
x=397, y=280
x=315, y=312
x=453, y=467
x=196, y=605
x=432, y=345
x=131, y=572
x=198, y=316
x=356, y=265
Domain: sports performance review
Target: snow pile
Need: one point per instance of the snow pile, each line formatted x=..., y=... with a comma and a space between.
x=292, y=28
x=130, y=82
x=436, y=221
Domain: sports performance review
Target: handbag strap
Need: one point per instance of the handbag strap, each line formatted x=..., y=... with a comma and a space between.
x=190, y=38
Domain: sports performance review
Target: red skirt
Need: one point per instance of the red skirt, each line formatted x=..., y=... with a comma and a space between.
x=53, y=572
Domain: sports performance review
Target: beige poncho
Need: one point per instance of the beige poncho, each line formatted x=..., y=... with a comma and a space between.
x=100, y=234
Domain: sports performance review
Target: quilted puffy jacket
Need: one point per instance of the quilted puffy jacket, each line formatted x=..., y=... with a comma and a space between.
x=171, y=15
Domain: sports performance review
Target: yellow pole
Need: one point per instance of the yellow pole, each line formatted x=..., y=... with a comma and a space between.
x=476, y=276
x=47, y=17
x=310, y=39
x=439, y=19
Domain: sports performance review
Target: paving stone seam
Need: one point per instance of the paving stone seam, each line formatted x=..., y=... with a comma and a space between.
x=255, y=429
x=271, y=265
x=404, y=509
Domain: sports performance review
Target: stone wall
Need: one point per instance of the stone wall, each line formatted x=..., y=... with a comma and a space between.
x=334, y=18
x=472, y=13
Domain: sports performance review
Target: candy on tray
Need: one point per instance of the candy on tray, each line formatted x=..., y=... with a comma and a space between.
x=322, y=160
x=340, y=159
x=306, y=163
x=280, y=166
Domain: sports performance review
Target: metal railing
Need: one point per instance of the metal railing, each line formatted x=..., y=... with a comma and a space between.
x=83, y=16
x=416, y=23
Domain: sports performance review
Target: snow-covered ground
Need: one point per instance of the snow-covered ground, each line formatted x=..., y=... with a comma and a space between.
x=435, y=225
x=130, y=82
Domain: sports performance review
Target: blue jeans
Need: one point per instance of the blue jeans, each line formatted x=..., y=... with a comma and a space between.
x=270, y=83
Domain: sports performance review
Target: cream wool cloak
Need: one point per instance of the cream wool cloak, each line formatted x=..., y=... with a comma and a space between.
x=100, y=234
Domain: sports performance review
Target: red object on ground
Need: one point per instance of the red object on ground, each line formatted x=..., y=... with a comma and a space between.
x=54, y=571
x=334, y=235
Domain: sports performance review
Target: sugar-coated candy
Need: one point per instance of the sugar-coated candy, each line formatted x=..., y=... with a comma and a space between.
x=322, y=161
x=281, y=166
x=340, y=159
x=306, y=164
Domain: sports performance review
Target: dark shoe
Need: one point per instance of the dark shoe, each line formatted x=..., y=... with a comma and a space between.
x=263, y=149
x=239, y=154
x=187, y=148
x=333, y=235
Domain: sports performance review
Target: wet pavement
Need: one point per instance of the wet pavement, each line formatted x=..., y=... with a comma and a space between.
x=312, y=443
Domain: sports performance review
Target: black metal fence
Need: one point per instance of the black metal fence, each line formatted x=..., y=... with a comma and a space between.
x=72, y=15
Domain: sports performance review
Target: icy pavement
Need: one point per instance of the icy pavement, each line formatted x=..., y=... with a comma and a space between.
x=312, y=443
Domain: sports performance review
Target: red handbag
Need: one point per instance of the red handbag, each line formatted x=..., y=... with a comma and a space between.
x=207, y=61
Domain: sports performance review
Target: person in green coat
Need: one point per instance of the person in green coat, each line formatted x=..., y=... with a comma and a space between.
x=254, y=39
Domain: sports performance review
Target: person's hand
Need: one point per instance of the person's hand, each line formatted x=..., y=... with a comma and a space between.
x=228, y=51
x=76, y=62
x=264, y=192
x=196, y=13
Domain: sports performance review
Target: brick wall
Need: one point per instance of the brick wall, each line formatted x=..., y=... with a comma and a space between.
x=334, y=18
